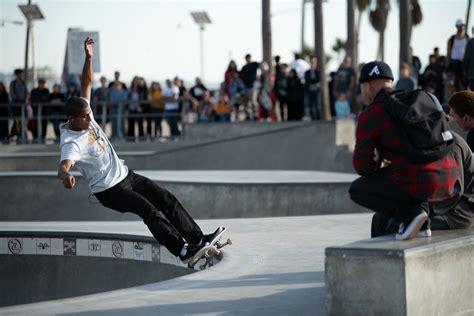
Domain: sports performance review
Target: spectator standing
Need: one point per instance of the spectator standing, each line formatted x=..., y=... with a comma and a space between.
x=295, y=97
x=345, y=79
x=248, y=74
x=71, y=91
x=456, y=48
x=468, y=63
x=40, y=100
x=57, y=109
x=145, y=109
x=300, y=65
x=117, y=79
x=236, y=93
x=280, y=89
x=4, y=114
x=157, y=106
x=312, y=90
x=266, y=99
x=99, y=99
x=18, y=96
x=134, y=108
x=406, y=82
x=229, y=75
x=170, y=97
x=118, y=98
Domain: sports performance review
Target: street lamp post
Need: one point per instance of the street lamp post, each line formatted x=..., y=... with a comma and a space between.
x=31, y=13
x=201, y=18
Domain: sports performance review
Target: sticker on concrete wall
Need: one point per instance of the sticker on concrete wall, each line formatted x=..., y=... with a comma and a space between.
x=138, y=251
x=155, y=253
x=94, y=248
x=15, y=246
x=117, y=249
x=43, y=246
x=70, y=246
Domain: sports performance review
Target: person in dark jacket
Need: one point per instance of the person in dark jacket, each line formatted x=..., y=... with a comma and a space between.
x=391, y=183
x=295, y=97
x=4, y=114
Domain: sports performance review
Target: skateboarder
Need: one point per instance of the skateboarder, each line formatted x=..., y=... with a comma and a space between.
x=398, y=177
x=85, y=145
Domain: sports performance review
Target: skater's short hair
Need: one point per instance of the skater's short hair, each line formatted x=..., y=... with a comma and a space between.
x=74, y=106
x=462, y=103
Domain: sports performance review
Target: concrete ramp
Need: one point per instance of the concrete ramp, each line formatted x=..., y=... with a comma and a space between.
x=40, y=196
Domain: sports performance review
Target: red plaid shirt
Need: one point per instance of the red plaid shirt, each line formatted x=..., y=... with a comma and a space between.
x=432, y=181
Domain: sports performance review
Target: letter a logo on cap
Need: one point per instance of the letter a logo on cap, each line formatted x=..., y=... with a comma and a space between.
x=374, y=70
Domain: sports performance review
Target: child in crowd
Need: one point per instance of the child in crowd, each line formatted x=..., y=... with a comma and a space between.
x=343, y=109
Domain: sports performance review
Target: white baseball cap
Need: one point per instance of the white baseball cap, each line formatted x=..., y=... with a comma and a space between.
x=459, y=22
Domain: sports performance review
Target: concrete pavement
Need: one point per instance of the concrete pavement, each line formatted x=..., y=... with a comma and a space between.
x=275, y=267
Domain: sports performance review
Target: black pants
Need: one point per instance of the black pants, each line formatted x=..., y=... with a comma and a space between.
x=377, y=192
x=165, y=217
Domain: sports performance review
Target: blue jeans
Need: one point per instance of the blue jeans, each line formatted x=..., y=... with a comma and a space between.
x=313, y=106
x=172, y=120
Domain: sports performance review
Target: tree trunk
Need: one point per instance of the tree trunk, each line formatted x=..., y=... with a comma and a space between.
x=405, y=31
x=267, y=33
x=319, y=43
x=356, y=51
x=351, y=31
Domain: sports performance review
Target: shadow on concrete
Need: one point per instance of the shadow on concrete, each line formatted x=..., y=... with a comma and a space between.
x=303, y=300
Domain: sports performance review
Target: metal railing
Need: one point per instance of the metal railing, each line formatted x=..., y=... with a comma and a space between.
x=113, y=112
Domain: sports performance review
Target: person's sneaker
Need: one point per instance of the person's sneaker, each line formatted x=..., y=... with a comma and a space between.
x=409, y=231
x=194, y=251
x=425, y=230
x=214, y=237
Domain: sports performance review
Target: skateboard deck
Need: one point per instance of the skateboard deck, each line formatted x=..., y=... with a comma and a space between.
x=208, y=259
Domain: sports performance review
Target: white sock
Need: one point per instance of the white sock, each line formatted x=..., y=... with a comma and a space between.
x=184, y=250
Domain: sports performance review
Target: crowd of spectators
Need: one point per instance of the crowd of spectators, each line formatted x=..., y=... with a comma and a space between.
x=256, y=92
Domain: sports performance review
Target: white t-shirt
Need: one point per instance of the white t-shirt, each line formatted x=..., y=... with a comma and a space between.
x=171, y=92
x=93, y=155
x=458, y=49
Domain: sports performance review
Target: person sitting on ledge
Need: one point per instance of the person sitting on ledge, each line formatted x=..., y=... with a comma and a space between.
x=398, y=177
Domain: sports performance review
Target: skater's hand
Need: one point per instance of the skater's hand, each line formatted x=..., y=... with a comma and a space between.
x=69, y=182
x=88, y=47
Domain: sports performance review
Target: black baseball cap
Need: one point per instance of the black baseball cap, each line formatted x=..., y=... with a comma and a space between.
x=375, y=70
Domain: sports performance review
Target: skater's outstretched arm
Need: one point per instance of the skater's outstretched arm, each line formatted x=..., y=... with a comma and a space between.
x=64, y=174
x=86, y=78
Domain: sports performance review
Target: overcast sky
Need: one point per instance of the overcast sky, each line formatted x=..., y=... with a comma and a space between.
x=158, y=39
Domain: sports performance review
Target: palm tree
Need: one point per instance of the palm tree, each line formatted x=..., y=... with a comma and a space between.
x=410, y=15
x=319, y=43
x=351, y=31
x=378, y=20
x=267, y=33
x=362, y=6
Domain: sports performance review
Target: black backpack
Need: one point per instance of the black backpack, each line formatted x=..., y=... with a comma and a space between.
x=418, y=116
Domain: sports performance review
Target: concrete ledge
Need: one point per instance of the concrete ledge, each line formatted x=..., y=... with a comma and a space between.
x=381, y=276
x=39, y=196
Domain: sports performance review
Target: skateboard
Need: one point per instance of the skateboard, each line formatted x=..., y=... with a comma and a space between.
x=208, y=259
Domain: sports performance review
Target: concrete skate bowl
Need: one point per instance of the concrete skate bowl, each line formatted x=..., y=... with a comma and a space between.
x=206, y=194
x=39, y=266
